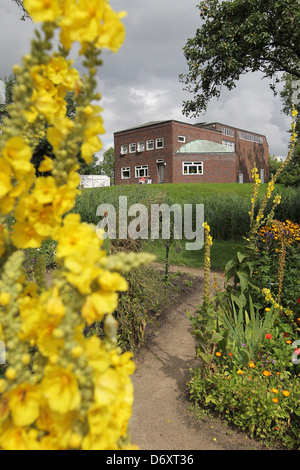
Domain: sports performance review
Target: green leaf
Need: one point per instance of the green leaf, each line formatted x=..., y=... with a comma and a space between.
x=240, y=256
x=216, y=338
x=244, y=278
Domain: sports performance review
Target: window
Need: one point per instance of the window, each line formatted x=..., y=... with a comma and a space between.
x=160, y=143
x=227, y=131
x=228, y=144
x=125, y=173
x=250, y=137
x=141, y=146
x=132, y=148
x=124, y=149
x=150, y=144
x=262, y=175
x=192, y=168
x=181, y=138
x=141, y=171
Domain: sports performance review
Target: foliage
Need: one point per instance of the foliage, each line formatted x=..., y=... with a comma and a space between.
x=237, y=37
x=59, y=390
x=248, y=374
x=107, y=164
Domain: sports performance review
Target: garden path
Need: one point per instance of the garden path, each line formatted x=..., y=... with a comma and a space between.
x=161, y=419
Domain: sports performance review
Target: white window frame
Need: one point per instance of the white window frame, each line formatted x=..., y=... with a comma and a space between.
x=159, y=143
x=229, y=144
x=227, y=131
x=181, y=138
x=141, y=168
x=132, y=148
x=125, y=168
x=150, y=144
x=190, y=164
x=124, y=149
x=141, y=146
x=250, y=137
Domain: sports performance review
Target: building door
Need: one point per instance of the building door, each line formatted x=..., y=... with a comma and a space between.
x=161, y=172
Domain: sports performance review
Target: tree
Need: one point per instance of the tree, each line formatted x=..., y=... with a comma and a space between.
x=23, y=9
x=236, y=37
x=107, y=165
x=290, y=96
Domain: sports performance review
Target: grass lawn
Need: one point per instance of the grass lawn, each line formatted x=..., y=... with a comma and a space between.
x=221, y=252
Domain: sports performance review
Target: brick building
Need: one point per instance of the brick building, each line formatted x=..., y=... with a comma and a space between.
x=177, y=152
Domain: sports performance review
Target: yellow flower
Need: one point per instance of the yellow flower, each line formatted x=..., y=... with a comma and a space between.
x=5, y=177
x=17, y=438
x=25, y=236
x=46, y=165
x=59, y=72
x=43, y=10
x=274, y=390
x=24, y=404
x=60, y=389
x=240, y=372
x=112, y=282
x=18, y=155
x=251, y=365
x=285, y=393
x=98, y=304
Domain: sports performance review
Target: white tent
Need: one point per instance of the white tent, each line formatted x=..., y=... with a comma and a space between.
x=94, y=181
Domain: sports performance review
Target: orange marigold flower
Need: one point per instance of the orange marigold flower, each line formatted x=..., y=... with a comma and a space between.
x=275, y=400
x=285, y=393
x=266, y=373
x=218, y=354
x=251, y=364
x=274, y=390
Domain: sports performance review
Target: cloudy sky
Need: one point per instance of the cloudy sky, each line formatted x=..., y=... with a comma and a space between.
x=140, y=83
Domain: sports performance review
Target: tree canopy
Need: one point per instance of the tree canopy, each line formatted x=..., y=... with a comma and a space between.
x=236, y=37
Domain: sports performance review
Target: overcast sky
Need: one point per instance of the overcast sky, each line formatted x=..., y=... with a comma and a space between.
x=140, y=83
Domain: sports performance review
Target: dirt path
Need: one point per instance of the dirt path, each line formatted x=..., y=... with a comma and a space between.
x=161, y=419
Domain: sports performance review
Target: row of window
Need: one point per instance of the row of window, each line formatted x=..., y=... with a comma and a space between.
x=188, y=168
x=242, y=135
x=141, y=146
x=250, y=137
x=150, y=144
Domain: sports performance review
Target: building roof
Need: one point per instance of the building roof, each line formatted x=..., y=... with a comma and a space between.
x=203, y=146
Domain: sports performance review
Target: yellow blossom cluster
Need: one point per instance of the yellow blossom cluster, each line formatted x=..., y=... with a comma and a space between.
x=60, y=390
x=207, y=264
x=276, y=233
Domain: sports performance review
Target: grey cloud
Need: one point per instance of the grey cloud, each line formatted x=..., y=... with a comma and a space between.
x=141, y=82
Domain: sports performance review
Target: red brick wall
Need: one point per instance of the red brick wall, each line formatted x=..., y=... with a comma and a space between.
x=216, y=168
x=249, y=153
x=149, y=157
